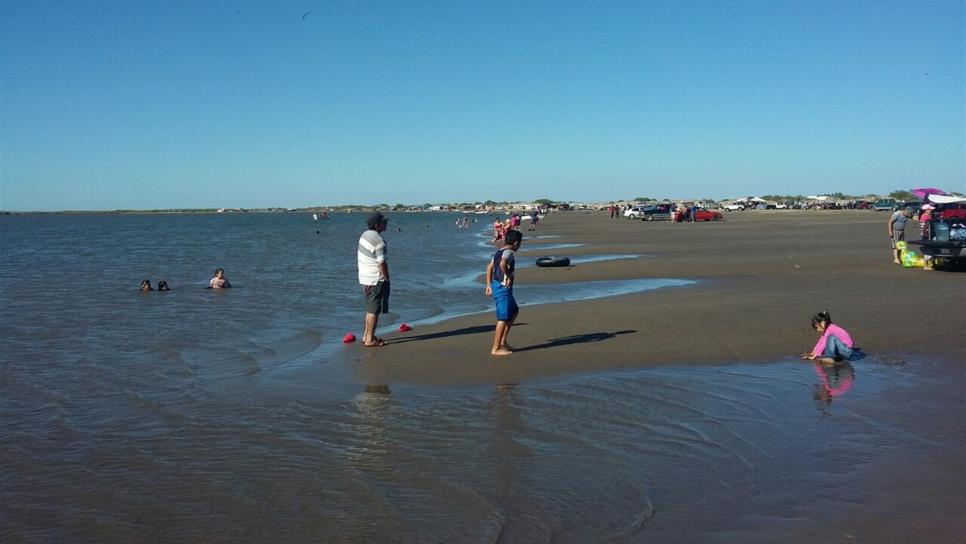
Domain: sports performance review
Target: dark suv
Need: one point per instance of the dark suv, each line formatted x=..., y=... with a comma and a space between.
x=658, y=212
x=885, y=205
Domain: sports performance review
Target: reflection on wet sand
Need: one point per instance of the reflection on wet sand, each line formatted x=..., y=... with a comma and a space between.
x=378, y=389
x=374, y=444
x=506, y=454
x=834, y=381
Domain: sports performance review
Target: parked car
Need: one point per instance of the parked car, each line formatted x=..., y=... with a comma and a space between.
x=781, y=206
x=657, y=212
x=947, y=233
x=954, y=210
x=702, y=214
x=885, y=205
x=735, y=207
x=634, y=212
x=914, y=205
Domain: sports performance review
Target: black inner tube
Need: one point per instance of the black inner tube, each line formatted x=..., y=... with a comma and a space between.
x=554, y=260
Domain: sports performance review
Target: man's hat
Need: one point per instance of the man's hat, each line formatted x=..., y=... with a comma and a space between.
x=376, y=219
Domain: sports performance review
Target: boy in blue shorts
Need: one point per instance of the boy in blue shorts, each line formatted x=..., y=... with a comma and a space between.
x=499, y=285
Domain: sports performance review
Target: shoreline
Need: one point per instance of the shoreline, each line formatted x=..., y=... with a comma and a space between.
x=760, y=277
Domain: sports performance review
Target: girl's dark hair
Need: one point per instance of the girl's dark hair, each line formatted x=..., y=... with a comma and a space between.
x=820, y=317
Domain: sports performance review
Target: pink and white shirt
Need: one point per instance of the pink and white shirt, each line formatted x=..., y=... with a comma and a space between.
x=833, y=330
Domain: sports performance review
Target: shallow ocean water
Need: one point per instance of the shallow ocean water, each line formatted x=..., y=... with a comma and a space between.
x=186, y=416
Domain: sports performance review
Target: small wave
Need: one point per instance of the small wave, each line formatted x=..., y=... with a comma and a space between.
x=531, y=248
x=534, y=294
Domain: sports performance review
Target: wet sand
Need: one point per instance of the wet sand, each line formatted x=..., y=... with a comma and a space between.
x=760, y=277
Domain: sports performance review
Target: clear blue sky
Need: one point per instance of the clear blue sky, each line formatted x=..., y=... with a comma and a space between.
x=187, y=104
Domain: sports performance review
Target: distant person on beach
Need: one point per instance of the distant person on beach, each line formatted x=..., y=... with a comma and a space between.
x=534, y=220
x=834, y=345
x=897, y=230
x=499, y=285
x=374, y=276
x=924, y=216
x=219, y=281
x=498, y=231
x=146, y=286
x=163, y=286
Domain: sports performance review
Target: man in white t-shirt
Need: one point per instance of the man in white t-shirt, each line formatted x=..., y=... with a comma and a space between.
x=374, y=276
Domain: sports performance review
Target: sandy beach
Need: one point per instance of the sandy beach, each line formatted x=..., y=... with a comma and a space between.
x=672, y=415
x=760, y=276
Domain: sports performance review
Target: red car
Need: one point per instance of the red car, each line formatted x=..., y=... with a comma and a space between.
x=953, y=210
x=702, y=214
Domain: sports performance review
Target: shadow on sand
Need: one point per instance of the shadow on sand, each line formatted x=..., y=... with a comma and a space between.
x=478, y=329
x=552, y=343
x=575, y=339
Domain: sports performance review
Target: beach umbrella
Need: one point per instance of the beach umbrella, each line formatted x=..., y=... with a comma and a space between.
x=922, y=192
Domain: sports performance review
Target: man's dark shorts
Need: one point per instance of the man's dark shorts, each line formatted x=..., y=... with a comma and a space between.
x=377, y=298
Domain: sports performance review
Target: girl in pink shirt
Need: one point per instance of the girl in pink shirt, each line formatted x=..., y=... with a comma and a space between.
x=835, y=343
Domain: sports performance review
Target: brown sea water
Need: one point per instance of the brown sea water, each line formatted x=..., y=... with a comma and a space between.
x=187, y=416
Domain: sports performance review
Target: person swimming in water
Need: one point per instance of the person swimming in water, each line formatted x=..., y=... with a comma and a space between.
x=219, y=281
x=146, y=286
x=163, y=286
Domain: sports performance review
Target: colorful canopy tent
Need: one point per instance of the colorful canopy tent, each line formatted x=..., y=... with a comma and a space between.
x=946, y=199
x=922, y=192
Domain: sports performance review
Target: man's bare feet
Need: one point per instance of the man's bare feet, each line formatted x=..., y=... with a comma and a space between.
x=376, y=342
x=826, y=360
x=501, y=352
x=508, y=347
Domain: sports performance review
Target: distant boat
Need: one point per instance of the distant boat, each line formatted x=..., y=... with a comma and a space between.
x=315, y=217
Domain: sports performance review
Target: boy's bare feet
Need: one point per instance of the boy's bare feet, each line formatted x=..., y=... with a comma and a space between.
x=826, y=360
x=508, y=347
x=376, y=342
x=501, y=352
